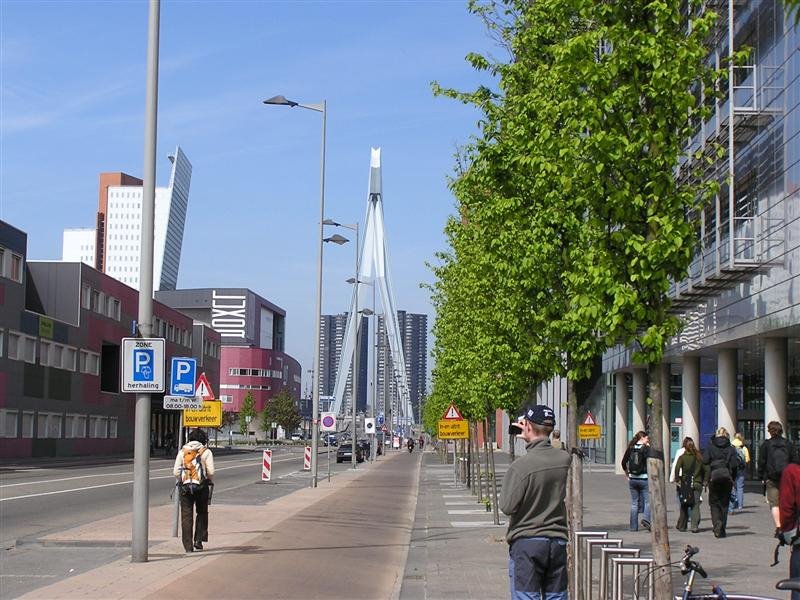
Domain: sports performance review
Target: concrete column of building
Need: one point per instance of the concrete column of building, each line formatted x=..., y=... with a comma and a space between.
x=775, y=381
x=690, y=391
x=621, y=419
x=665, y=416
x=726, y=389
x=639, y=399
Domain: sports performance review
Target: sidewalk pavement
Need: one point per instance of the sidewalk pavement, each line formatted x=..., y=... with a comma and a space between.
x=400, y=529
x=308, y=544
x=457, y=551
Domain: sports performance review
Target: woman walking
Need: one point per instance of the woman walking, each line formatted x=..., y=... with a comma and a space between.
x=690, y=474
x=737, y=497
x=634, y=463
x=722, y=461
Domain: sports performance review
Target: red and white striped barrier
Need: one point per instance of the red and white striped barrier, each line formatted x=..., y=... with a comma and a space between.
x=266, y=466
x=307, y=459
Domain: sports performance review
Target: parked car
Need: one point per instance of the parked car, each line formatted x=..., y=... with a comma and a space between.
x=345, y=452
x=298, y=436
x=330, y=440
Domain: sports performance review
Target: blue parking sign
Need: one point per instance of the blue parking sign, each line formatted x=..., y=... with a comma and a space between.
x=183, y=376
x=143, y=365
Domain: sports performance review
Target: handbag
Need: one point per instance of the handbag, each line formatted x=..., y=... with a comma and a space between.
x=686, y=493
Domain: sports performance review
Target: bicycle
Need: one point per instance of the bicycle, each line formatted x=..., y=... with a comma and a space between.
x=692, y=568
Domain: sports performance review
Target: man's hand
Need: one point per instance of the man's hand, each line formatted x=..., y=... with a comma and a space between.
x=784, y=537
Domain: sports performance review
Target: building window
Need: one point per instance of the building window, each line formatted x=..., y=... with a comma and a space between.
x=112, y=427
x=69, y=358
x=75, y=426
x=14, y=346
x=2, y=339
x=96, y=301
x=49, y=425
x=90, y=362
x=112, y=308
x=27, y=424
x=29, y=349
x=98, y=426
x=225, y=399
x=86, y=297
x=8, y=423
x=44, y=353
x=16, y=268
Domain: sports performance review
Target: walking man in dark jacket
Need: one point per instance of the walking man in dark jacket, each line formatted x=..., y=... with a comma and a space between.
x=775, y=455
x=534, y=497
x=722, y=461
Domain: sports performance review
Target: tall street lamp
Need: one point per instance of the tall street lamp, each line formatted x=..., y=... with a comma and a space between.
x=320, y=108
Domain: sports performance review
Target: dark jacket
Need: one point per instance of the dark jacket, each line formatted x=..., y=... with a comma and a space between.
x=767, y=448
x=534, y=493
x=626, y=457
x=689, y=468
x=720, y=455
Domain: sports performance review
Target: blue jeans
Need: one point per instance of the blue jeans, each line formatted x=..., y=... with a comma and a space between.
x=640, y=501
x=537, y=568
x=737, y=495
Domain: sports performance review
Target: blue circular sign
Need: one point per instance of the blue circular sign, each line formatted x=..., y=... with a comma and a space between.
x=328, y=421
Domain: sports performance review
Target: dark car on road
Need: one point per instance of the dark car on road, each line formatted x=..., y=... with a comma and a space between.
x=345, y=452
x=330, y=440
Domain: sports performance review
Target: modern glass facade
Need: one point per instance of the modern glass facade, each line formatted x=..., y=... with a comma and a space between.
x=737, y=361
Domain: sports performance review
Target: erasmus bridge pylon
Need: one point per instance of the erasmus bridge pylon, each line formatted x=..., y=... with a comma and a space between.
x=374, y=268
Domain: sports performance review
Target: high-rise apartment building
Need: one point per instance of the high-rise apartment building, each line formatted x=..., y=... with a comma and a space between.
x=332, y=331
x=117, y=244
x=414, y=333
x=79, y=245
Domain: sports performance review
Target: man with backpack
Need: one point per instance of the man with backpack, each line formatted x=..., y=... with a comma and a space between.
x=723, y=464
x=634, y=463
x=194, y=469
x=775, y=455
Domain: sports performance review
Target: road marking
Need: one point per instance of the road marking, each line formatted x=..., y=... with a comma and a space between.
x=461, y=503
x=475, y=524
x=103, y=485
x=471, y=511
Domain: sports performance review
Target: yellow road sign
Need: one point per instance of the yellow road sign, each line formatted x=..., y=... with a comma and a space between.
x=453, y=430
x=208, y=416
x=590, y=432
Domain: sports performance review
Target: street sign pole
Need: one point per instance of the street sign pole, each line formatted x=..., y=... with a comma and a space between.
x=141, y=445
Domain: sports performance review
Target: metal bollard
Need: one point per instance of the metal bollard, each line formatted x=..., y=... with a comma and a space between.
x=590, y=545
x=617, y=566
x=605, y=555
x=577, y=556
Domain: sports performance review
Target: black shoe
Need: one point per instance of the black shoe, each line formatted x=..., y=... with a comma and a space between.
x=198, y=546
x=695, y=531
x=189, y=550
x=646, y=524
x=681, y=528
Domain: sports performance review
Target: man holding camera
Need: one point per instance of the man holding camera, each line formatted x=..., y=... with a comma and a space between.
x=534, y=497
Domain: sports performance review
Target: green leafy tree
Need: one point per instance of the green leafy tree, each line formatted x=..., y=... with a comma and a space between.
x=572, y=220
x=281, y=410
x=247, y=410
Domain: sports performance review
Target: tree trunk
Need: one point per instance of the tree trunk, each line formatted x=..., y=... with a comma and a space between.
x=575, y=481
x=659, y=530
x=485, y=426
x=477, y=446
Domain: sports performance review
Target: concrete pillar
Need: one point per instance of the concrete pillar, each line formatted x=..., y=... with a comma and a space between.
x=665, y=416
x=621, y=419
x=775, y=381
x=726, y=389
x=690, y=384
x=639, y=399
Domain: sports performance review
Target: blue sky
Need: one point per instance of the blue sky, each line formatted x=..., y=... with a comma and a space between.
x=73, y=78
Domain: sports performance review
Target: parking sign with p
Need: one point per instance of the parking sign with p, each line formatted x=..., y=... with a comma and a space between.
x=182, y=376
x=142, y=364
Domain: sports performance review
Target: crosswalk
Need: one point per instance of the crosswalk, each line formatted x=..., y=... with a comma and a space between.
x=460, y=507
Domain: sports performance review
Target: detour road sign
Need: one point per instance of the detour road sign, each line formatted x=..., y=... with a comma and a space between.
x=453, y=430
x=589, y=432
x=208, y=416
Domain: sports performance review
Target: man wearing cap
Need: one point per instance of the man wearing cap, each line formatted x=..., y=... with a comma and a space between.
x=534, y=497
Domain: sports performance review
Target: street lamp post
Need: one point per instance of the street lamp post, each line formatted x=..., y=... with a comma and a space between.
x=320, y=108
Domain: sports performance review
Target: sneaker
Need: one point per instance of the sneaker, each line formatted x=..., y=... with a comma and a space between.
x=198, y=546
x=646, y=524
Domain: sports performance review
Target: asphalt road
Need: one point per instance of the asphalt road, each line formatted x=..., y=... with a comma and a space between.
x=39, y=499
